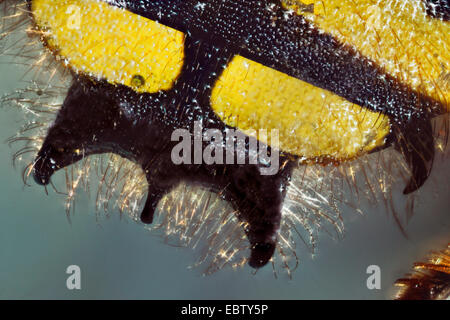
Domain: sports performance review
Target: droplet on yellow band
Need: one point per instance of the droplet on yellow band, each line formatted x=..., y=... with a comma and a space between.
x=397, y=35
x=111, y=43
x=312, y=122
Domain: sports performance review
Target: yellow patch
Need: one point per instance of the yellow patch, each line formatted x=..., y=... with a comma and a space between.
x=312, y=122
x=111, y=43
x=397, y=35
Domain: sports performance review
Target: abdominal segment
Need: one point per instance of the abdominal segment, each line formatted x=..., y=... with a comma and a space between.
x=157, y=66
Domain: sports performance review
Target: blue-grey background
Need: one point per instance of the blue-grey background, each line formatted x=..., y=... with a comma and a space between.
x=119, y=259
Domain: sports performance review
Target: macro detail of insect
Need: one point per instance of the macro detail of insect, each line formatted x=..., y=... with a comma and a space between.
x=337, y=79
x=429, y=280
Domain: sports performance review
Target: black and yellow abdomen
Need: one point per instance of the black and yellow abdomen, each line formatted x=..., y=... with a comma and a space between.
x=336, y=79
x=312, y=122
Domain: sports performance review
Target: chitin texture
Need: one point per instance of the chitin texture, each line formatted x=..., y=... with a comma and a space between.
x=340, y=82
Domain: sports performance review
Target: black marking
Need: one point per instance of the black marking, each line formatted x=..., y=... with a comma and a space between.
x=260, y=31
x=438, y=9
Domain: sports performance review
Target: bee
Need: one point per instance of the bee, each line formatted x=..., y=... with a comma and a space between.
x=337, y=80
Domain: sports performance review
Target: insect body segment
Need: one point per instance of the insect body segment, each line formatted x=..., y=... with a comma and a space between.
x=439, y=9
x=156, y=66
